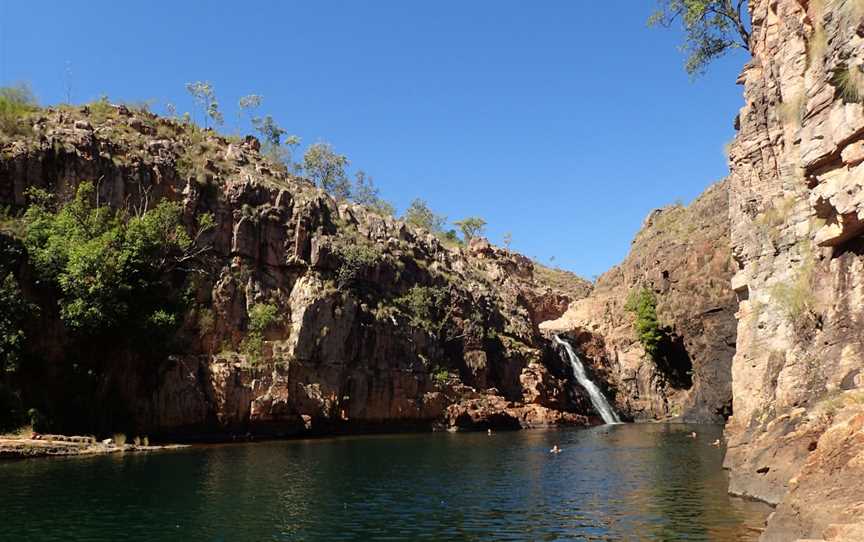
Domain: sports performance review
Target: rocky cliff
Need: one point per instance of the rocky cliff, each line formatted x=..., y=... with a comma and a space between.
x=377, y=324
x=682, y=256
x=795, y=437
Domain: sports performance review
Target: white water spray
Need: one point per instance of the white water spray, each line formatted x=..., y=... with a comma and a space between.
x=601, y=405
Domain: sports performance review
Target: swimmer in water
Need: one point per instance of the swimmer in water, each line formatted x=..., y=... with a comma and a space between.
x=555, y=450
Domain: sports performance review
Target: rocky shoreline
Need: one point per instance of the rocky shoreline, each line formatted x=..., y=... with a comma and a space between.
x=23, y=447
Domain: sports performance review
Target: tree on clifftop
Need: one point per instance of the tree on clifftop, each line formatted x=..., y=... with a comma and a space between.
x=471, y=227
x=713, y=27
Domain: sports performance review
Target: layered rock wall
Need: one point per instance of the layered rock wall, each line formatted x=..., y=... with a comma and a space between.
x=795, y=210
x=682, y=256
x=379, y=325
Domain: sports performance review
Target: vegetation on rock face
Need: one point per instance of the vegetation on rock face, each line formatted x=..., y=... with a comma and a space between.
x=424, y=305
x=261, y=317
x=712, y=28
x=796, y=298
x=15, y=104
x=111, y=269
x=355, y=260
x=643, y=303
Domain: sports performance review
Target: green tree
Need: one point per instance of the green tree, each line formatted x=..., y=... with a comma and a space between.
x=13, y=311
x=366, y=193
x=643, y=304
x=471, y=227
x=712, y=28
x=420, y=215
x=323, y=166
x=112, y=270
x=205, y=97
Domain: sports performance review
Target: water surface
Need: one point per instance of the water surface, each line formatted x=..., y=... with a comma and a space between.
x=623, y=482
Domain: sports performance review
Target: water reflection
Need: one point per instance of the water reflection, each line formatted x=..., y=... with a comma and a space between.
x=631, y=482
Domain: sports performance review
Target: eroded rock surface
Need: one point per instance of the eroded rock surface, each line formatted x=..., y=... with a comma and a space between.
x=795, y=209
x=380, y=325
x=682, y=255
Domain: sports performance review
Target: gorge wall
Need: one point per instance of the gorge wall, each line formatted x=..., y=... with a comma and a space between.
x=378, y=325
x=796, y=209
x=682, y=255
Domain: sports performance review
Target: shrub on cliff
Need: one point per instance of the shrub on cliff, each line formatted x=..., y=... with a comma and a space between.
x=643, y=304
x=15, y=104
x=261, y=317
x=419, y=214
x=424, y=306
x=111, y=269
x=355, y=260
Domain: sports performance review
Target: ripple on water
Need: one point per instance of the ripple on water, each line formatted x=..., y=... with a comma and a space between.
x=624, y=482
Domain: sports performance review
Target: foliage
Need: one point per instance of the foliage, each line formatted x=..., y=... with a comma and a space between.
x=14, y=310
x=712, y=28
x=849, y=82
x=643, y=304
x=261, y=317
x=471, y=227
x=796, y=298
x=441, y=376
x=420, y=215
x=424, y=304
x=366, y=193
x=249, y=103
x=323, y=166
x=508, y=239
x=355, y=259
x=100, y=110
x=205, y=97
x=15, y=104
x=111, y=270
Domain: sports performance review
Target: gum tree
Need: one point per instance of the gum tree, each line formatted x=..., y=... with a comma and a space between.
x=712, y=28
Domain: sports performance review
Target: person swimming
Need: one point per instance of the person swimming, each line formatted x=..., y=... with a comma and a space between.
x=555, y=450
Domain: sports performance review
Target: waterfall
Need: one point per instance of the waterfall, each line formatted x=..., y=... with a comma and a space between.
x=601, y=405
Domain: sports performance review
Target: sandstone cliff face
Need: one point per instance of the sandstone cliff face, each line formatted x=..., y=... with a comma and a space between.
x=795, y=210
x=345, y=353
x=682, y=254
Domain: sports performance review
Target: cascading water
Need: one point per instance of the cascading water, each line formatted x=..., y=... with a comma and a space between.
x=601, y=405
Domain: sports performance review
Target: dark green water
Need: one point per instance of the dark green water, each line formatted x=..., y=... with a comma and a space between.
x=626, y=482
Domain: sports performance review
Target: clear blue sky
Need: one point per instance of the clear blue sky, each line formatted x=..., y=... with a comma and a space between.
x=563, y=122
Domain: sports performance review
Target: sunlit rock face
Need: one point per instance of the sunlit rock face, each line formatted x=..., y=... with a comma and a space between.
x=346, y=351
x=796, y=208
x=682, y=256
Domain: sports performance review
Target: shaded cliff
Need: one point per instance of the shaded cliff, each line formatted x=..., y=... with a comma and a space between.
x=795, y=436
x=374, y=324
x=682, y=256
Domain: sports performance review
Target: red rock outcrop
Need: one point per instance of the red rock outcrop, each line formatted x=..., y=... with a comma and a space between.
x=795, y=208
x=682, y=255
x=348, y=350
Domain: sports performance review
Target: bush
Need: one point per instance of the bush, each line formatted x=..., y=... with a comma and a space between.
x=423, y=304
x=16, y=103
x=643, y=304
x=355, y=260
x=14, y=310
x=261, y=317
x=111, y=270
x=441, y=376
x=796, y=299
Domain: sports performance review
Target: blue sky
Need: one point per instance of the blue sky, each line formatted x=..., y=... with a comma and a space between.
x=563, y=122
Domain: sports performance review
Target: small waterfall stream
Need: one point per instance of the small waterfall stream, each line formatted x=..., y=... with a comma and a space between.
x=601, y=405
